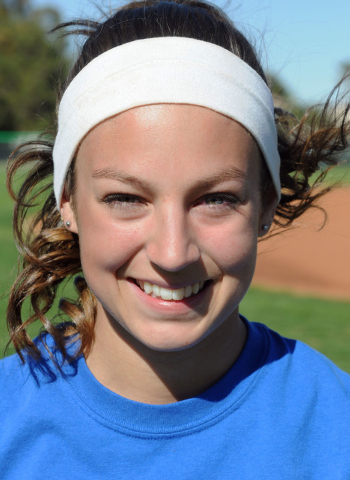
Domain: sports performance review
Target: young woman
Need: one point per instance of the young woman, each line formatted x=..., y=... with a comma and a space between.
x=168, y=165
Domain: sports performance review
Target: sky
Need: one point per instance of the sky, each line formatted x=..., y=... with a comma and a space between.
x=304, y=42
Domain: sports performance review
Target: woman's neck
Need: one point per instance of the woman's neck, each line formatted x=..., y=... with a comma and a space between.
x=127, y=367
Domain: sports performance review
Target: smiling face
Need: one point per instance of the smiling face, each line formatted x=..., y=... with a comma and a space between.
x=168, y=212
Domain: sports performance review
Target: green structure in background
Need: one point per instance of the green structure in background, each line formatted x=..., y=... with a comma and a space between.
x=10, y=140
x=32, y=65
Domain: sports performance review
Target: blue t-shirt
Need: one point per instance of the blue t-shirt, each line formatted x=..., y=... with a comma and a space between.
x=281, y=412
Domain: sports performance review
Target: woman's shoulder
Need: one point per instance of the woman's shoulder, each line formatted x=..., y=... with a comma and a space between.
x=20, y=379
x=12, y=371
x=16, y=385
x=303, y=370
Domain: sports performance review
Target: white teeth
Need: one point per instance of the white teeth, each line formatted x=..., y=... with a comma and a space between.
x=169, y=294
x=195, y=288
x=165, y=293
x=147, y=288
x=156, y=290
x=188, y=291
x=178, y=294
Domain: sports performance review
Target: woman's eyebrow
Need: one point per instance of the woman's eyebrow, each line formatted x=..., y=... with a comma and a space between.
x=230, y=173
x=120, y=176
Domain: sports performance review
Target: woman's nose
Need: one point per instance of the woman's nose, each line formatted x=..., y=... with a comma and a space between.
x=172, y=244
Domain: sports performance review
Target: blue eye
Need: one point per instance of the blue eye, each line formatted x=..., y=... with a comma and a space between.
x=214, y=200
x=122, y=199
x=221, y=200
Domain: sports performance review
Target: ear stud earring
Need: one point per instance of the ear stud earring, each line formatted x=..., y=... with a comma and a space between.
x=266, y=227
x=68, y=224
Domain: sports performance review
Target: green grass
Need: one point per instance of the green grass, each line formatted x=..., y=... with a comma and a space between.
x=339, y=175
x=8, y=252
x=322, y=324
x=9, y=263
x=325, y=325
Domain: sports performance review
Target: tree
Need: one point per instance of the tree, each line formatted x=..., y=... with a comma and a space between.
x=31, y=66
x=17, y=7
x=345, y=68
x=283, y=98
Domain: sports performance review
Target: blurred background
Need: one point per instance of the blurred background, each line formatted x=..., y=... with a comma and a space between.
x=302, y=283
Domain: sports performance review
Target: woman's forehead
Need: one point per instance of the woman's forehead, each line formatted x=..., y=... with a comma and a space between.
x=156, y=126
x=167, y=119
x=151, y=140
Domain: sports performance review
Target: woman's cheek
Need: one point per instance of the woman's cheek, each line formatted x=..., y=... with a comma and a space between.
x=232, y=245
x=110, y=246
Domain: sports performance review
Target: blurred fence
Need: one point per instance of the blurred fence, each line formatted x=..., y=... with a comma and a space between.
x=10, y=140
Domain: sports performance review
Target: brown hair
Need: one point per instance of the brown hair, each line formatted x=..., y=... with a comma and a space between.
x=51, y=253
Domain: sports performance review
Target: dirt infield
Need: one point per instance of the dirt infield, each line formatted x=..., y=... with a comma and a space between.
x=306, y=260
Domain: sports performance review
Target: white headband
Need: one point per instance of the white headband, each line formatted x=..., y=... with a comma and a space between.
x=164, y=70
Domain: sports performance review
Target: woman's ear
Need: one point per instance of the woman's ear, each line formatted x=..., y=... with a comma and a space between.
x=67, y=213
x=268, y=209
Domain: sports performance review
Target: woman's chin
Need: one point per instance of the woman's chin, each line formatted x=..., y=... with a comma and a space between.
x=170, y=338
